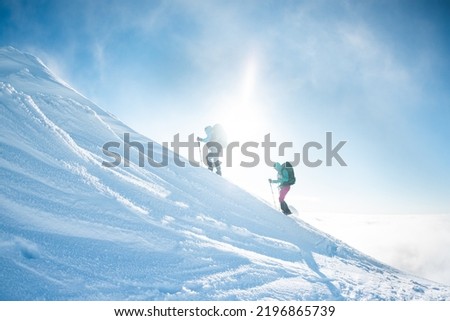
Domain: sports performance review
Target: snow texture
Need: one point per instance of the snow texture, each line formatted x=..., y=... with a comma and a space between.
x=72, y=229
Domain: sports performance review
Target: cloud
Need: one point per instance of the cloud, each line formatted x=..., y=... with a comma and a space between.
x=417, y=244
x=340, y=57
x=420, y=245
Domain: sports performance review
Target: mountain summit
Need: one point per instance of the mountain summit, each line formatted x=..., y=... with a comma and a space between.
x=73, y=229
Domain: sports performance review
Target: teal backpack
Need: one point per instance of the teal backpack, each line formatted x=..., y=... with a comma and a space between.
x=290, y=170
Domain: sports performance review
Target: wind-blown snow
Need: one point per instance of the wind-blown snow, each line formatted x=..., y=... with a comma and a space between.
x=72, y=229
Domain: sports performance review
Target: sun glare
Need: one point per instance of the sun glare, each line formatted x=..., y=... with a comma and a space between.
x=242, y=113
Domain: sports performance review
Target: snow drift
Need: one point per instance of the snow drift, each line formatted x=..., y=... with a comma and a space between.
x=72, y=229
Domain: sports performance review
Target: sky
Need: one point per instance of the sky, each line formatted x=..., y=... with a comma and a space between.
x=373, y=73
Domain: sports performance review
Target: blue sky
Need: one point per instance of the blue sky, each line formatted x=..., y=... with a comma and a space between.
x=374, y=73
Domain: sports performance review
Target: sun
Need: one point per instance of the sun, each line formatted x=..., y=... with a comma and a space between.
x=242, y=111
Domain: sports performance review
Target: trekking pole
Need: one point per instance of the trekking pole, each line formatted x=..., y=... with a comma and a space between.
x=200, y=153
x=273, y=196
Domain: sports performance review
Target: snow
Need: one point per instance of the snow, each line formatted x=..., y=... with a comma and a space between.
x=72, y=229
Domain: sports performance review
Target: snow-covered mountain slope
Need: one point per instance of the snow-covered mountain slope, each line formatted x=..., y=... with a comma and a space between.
x=72, y=229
